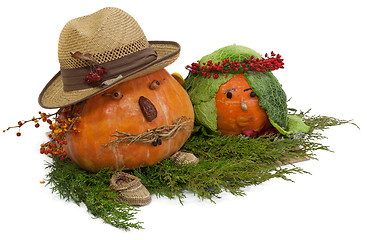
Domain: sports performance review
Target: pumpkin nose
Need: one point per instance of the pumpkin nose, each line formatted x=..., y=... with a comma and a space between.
x=147, y=108
x=244, y=106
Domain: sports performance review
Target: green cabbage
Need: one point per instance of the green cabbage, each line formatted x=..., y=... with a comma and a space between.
x=202, y=91
x=271, y=96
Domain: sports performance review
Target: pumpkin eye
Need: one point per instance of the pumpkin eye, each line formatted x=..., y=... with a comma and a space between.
x=228, y=92
x=154, y=84
x=116, y=95
x=229, y=95
x=252, y=94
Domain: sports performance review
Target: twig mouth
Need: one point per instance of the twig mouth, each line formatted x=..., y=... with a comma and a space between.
x=153, y=136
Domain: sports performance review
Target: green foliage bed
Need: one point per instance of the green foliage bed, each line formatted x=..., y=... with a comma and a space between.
x=226, y=164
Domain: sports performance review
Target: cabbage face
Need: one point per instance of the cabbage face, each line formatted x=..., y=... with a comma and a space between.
x=202, y=91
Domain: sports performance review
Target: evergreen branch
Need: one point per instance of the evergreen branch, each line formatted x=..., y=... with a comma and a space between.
x=73, y=183
x=226, y=164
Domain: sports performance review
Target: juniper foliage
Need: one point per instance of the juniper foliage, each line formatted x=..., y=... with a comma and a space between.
x=226, y=164
x=91, y=189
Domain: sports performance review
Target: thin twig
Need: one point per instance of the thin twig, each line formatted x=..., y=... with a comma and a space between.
x=72, y=124
x=150, y=136
x=31, y=120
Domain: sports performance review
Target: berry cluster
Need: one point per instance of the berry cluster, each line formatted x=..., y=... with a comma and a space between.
x=210, y=69
x=96, y=70
x=65, y=123
x=43, y=117
x=95, y=74
x=61, y=123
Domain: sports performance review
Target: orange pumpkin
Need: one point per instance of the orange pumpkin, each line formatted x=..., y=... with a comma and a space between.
x=238, y=108
x=127, y=108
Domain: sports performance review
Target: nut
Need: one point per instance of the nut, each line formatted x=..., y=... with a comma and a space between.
x=147, y=108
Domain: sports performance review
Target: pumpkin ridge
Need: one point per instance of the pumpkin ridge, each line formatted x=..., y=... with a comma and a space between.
x=179, y=91
x=163, y=95
x=103, y=116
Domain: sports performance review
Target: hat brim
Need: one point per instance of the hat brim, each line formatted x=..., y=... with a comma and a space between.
x=54, y=96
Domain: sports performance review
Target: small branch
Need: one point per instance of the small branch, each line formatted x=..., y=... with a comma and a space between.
x=72, y=124
x=21, y=123
x=150, y=136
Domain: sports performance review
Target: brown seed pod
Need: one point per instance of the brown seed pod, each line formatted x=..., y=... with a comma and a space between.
x=148, y=109
x=154, y=84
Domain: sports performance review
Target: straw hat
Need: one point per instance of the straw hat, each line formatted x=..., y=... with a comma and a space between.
x=115, y=42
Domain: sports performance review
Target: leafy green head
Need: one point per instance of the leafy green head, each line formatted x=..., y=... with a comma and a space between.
x=217, y=68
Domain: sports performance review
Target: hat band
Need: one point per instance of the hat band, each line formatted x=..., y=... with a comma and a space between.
x=73, y=79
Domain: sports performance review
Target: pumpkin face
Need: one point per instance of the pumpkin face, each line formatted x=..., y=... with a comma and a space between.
x=132, y=107
x=238, y=108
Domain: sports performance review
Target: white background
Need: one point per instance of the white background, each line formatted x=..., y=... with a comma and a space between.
x=324, y=47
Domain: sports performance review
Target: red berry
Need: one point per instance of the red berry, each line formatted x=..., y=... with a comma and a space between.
x=93, y=77
x=100, y=71
x=249, y=133
x=96, y=77
x=37, y=125
x=18, y=134
x=86, y=79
